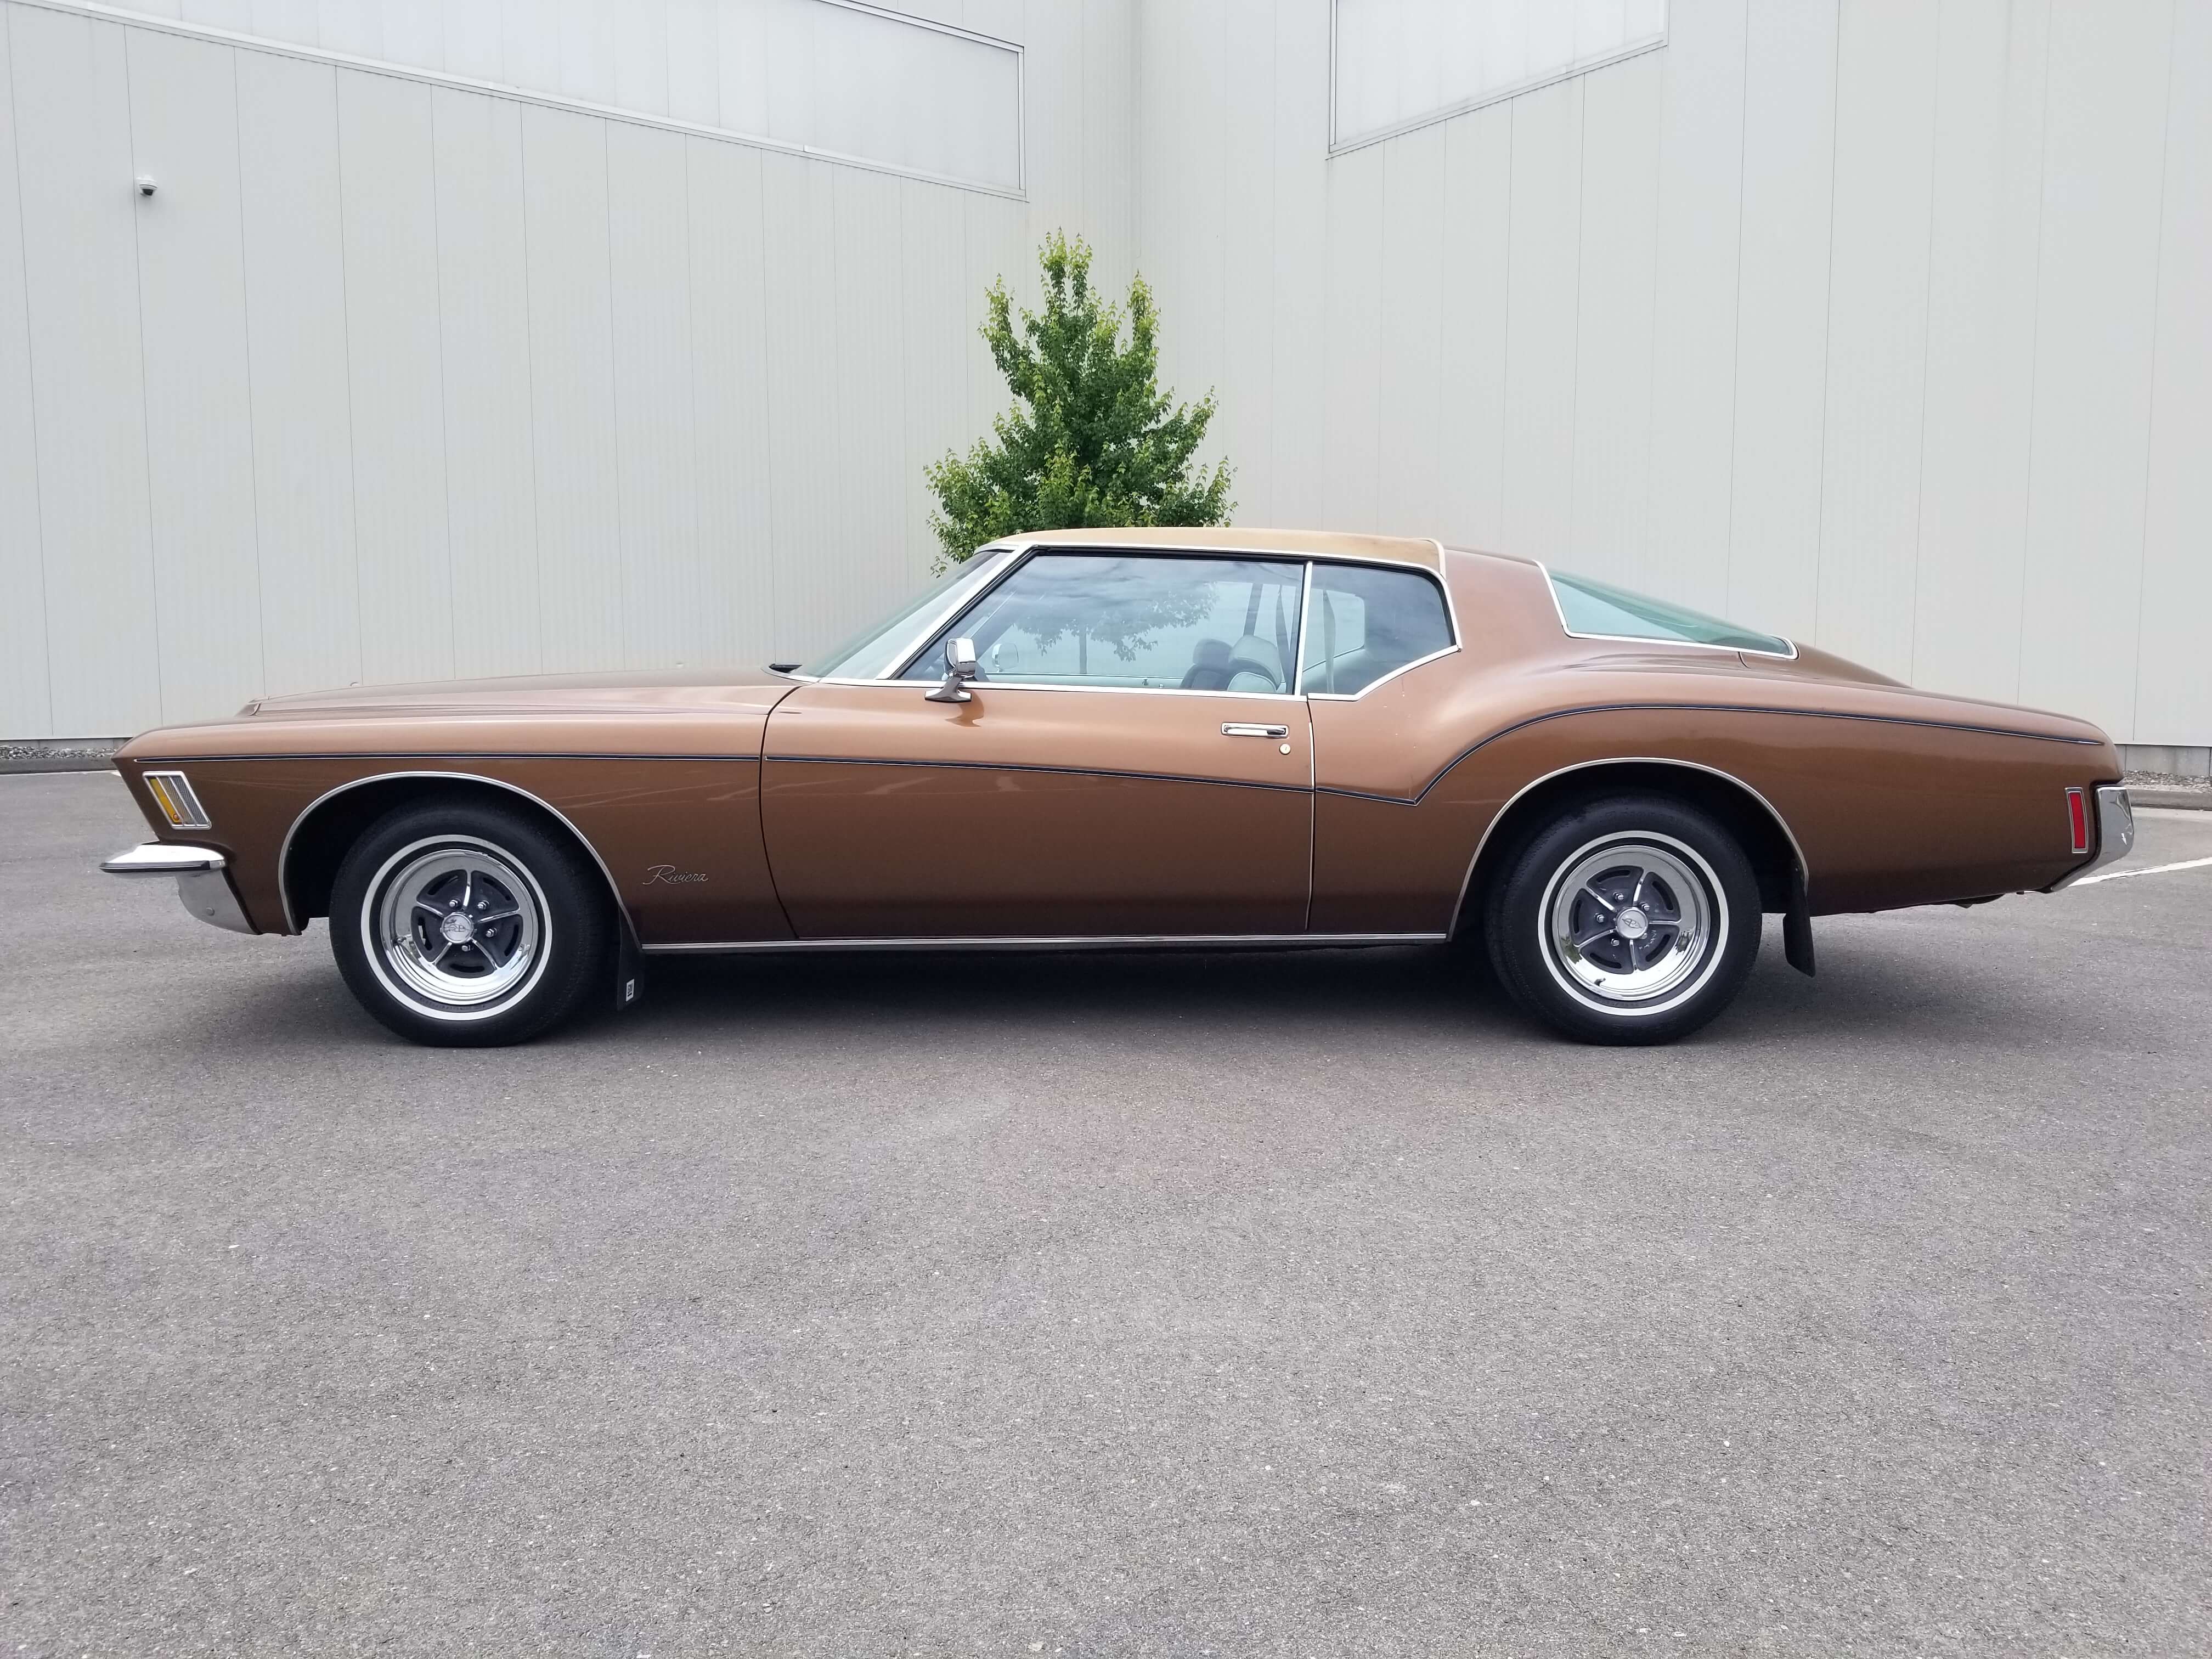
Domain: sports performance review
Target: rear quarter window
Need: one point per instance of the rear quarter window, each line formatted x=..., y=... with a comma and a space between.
x=1599, y=611
x=1364, y=623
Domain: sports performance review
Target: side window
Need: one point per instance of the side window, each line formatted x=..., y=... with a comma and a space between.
x=1133, y=620
x=1366, y=623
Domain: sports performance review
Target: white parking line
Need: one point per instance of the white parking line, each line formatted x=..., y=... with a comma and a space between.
x=2147, y=870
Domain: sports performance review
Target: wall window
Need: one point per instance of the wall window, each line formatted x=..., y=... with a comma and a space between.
x=1134, y=621
x=1401, y=64
x=841, y=78
x=1364, y=623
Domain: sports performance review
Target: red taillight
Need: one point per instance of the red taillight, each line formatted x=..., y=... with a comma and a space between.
x=2077, y=808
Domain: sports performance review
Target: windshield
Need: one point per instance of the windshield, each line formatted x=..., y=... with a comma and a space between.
x=1600, y=609
x=879, y=647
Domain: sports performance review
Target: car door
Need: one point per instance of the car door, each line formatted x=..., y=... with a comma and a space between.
x=1133, y=762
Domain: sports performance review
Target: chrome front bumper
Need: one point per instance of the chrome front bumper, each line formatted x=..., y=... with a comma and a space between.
x=201, y=883
x=2116, y=835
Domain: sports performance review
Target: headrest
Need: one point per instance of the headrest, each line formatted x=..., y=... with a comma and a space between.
x=1253, y=648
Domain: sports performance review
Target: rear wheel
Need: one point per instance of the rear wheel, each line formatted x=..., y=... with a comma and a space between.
x=461, y=924
x=1627, y=920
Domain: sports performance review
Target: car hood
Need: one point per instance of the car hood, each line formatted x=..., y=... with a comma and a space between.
x=717, y=712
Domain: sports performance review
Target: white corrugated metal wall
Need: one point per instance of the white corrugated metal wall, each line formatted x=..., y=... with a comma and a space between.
x=1886, y=323
x=397, y=377
x=1883, y=323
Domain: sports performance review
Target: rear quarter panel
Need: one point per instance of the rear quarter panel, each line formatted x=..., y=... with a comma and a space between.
x=1895, y=797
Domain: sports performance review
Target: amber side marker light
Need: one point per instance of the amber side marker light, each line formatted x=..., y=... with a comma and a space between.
x=2077, y=807
x=174, y=796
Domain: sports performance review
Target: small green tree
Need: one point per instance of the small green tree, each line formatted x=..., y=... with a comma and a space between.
x=1092, y=439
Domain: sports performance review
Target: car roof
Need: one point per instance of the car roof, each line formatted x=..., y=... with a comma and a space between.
x=1414, y=550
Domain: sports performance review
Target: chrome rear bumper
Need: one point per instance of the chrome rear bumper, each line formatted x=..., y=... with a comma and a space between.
x=201, y=883
x=2116, y=835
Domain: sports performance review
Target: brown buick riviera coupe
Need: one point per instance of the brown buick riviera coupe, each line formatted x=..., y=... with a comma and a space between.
x=1229, y=739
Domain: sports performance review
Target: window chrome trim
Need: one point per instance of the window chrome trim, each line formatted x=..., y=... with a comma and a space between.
x=1383, y=679
x=1027, y=551
x=1122, y=690
x=1305, y=621
x=1797, y=851
x=292, y=923
x=1031, y=551
x=1559, y=610
x=1041, y=540
x=1451, y=622
x=1058, y=942
x=978, y=562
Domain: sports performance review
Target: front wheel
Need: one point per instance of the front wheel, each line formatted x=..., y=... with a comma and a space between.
x=1634, y=919
x=463, y=924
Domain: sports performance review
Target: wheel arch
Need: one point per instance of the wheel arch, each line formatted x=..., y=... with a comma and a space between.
x=316, y=843
x=1768, y=842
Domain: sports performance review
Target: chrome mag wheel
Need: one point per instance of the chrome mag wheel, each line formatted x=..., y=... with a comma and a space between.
x=1633, y=923
x=456, y=926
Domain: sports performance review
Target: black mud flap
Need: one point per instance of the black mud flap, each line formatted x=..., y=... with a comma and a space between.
x=1797, y=928
x=630, y=971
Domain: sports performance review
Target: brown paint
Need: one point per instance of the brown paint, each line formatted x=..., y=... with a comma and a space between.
x=1032, y=811
x=1029, y=811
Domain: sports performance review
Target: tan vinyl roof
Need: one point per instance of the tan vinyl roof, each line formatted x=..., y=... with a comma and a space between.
x=1318, y=543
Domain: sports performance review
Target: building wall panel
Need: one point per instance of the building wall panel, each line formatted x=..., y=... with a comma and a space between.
x=2173, y=688
x=798, y=214
x=1875, y=412
x=388, y=179
x=294, y=238
x=1691, y=454
x=582, y=586
x=1297, y=259
x=491, y=464
x=1409, y=462
x=199, y=428
x=1353, y=332
x=1245, y=426
x=1782, y=316
x=731, y=417
x=1985, y=217
x=1477, y=249
x=2097, y=300
x=1615, y=288
x=25, y=702
x=1543, y=283
x=648, y=201
x=871, y=556
x=79, y=215
x=936, y=345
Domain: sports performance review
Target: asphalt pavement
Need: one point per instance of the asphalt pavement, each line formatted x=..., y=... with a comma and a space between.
x=1118, y=1305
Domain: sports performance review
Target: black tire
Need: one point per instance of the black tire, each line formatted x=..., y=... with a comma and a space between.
x=537, y=940
x=1558, y=920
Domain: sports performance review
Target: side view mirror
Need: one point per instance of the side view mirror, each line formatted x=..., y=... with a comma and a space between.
x=960, y=667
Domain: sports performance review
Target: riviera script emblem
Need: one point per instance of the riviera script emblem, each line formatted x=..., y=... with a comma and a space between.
x=669, y=875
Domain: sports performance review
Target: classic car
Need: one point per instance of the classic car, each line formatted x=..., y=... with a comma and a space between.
x=1151, y=738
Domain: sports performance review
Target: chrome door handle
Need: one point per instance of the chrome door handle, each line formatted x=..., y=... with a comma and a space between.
x=1239, y=729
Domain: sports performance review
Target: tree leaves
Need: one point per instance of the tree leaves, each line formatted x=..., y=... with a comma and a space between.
x=1091, y=440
